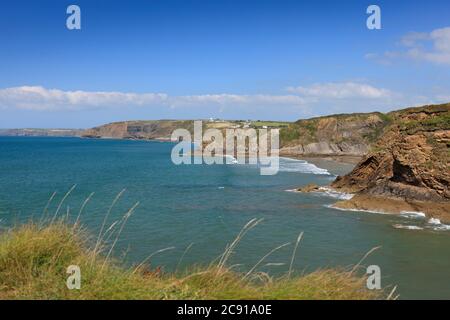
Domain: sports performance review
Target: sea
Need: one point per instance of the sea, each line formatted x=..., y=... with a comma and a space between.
x=185, y=215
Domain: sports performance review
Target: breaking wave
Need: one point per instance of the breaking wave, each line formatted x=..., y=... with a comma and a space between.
x=335, y=194
x=413, y=214
x=294, y=165
x=402, y=226
x=437, y=225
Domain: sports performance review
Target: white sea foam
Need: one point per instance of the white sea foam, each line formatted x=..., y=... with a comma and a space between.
x=336, y=194
x=233, y=159
x=355, y=210
x=434, y=221
x=441, y=227
x=413, y=214
x=294, y=165
x=402, y=226
x=437, y=225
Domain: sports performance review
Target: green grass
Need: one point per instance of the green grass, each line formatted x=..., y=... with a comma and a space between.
x=34, y=260
x=269, y=124
x=290, y=133
x=440, y=122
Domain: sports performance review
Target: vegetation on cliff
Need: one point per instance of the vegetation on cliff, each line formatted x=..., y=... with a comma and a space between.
x=162, y=129
x=151, y=129
x=344, y=134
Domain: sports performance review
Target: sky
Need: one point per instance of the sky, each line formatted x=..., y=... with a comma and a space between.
x=246, y=59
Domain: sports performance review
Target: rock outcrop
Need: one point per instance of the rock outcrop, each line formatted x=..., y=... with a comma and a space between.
x=410, y=162
x=336, y=135
x=149, y=130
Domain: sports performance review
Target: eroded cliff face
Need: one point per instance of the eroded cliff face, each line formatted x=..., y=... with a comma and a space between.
x=157, y=129
x=337, y=135
x=410, y=162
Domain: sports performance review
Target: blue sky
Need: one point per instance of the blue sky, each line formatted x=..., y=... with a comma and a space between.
x=281, y=60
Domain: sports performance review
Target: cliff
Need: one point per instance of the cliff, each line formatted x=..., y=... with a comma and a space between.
x=335, y=135
x=152, y=129
x=162, y=129
x=409, y=164
x=41, y=132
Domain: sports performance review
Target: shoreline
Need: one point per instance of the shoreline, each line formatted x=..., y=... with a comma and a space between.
x=345, y=159
x=439, y=211
x=359, y=202
x=395, y=206
x=336, y=165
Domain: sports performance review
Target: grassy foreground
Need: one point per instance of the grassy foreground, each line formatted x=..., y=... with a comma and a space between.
x=34, y=260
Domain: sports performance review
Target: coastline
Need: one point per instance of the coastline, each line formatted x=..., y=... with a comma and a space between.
x=369, y=203
x=396, y=206
x=341, y=165
x=337, y=165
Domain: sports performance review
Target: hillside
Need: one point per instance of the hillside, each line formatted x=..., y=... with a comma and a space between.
x=408, y=165
x=41, y=132
x=152, y=129
x=162, y=129
x=334, y=135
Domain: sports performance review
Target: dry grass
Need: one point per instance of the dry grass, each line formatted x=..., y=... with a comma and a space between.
x=34, y=260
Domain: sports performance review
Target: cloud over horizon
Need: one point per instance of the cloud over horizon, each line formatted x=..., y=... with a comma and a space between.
x=38, y=98
x=341, y=90
x=37, y=106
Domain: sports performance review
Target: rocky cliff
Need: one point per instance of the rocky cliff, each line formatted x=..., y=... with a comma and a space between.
x=409, y=164
x=162, y=129
x=152, y=129
x=336, y=135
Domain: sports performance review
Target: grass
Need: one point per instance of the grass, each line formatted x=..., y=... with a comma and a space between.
x=440, y=122
x=269, y=124
x=35, y=256
x=34, y=260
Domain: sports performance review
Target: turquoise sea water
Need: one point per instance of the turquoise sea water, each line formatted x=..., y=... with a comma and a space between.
x=208, y=205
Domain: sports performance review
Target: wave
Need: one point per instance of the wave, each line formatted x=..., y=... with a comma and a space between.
x=355, y=210
x=328, y=192
x=295, y=165
x=335, y=194
x=402, y=226
x=432, y=223
x=413, y=214
x=233, y=159
x=437, y=225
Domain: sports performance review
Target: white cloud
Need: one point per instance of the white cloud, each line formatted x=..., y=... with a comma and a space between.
x=300, y=101
x=433, y=47
x=40, y=98
x=439, y=53
x=43, y=99
x=233, y=99
x=411, y=39
x=341, y=90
